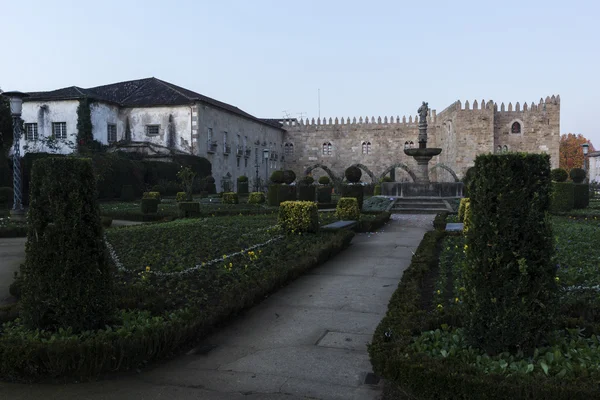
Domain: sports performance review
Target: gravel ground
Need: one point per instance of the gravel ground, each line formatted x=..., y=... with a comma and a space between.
x=414, y=220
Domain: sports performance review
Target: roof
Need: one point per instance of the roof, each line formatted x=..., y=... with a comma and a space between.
x=148, y=92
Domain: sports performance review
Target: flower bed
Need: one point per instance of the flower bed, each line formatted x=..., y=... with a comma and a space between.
x=421, y=349
x=163, y=312
x=10, y=229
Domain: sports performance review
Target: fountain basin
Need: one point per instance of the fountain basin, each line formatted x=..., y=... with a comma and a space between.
x=427, y=152
x=423, y=190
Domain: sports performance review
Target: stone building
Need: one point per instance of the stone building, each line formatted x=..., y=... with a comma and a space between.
x=462, y=131
x=158, y=118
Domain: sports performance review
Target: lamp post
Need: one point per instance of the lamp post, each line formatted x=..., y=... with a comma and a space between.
x=585, y=147
x=16, y=107
x=266, y=158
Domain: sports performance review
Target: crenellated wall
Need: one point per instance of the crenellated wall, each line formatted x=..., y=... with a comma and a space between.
x=462, y=131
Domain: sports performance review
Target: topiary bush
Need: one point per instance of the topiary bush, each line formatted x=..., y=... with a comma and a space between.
x=287, y=193
x=377, y=190
x=353, y=174
x=277, y=177
x=347, y=209
x=6, y=197
x=467, y=178
x=289, y=176
x=306, y=192
x=230, y=198
x=189, y=209
x=242, y=184
x=298, y=217
x=559, y=175
x=577, y=175
x=149, y=206
x=209, y=185
x=461, y=208
x=307, y=180
x=127, y=193
x=509, y=273
x=563, y=197
x=182, y=196
x=273, y=194
x=581, y=195
x=256, y=198
x=151, y=195
x=356, y=191
x=324, y=194
x=67, y=277
x=324, y=180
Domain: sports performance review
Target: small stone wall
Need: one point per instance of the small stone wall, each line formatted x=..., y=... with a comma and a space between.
x=434, y=189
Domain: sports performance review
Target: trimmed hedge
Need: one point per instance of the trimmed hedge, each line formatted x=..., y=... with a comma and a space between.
x=230, y=198
x=298, y=217
x=277, y=177
x=439, y=222
x=462, y=207
x=356, y=191
x=366, y=225
x=347, y=209
x=563, y=197
x=127, y=193
x=577, y=175
x=324, y=194
x=149, y=205
x=353, y=174
x=273, y=194
x=189, y=209
x=324, y=180
x=417, y=376
x=152, y=195
x=306, y=192
x=256, y=198
x=182, y=196
x=581, y=195
x=242, y=187
x=377, y=190
x=289, y=176
x=509, y=231
x=68, y=281
x=559, y=175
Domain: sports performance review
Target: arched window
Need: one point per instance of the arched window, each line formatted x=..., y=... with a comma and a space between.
x=515, y=128
x=499, y=150
x=411, y=144
x=505, y=149
x=366, y=147
x=289, y=149
x=327, y=148
x=407, y=145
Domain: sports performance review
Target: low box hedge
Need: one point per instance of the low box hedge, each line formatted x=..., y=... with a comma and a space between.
x=563, y=197
x=149, y=205
x=189, y=209
x=581, y=195
x=298, y=216
x=371, y=225
x=415, y=376
x=230, y=198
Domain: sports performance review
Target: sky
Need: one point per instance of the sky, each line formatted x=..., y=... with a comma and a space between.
x=278, y=58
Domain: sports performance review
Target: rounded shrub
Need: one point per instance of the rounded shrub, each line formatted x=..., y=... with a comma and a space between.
x=347, y=209
x=256, y=198
x=577, y=175
x=289, y=176
x=324, y=180
x=386, y=179
x=559, y=175
x=298, y=217
x=210, y=179
x=69, y=282
x=277, y=177
x=242, y=178
x=307, y=180
x=353, y=174
x=230, y=198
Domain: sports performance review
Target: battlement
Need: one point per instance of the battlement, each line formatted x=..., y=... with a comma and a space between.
x=323, y=122
x=550, y=100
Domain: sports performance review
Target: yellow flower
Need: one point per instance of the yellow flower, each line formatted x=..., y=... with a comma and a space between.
x=456, y=300
x=557, y=279
x=230, y=265
x=462, y=289
x=147, y=269
x=438, y=291
x=440, y=307
x=224, y=257
x=493, y=300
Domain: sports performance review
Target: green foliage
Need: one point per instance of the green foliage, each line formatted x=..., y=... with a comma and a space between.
x=509, y=274
x=256, y=198
x=563, y=197
x=189, y=209
x=68, y=282
x=277, y=177
x=106, y=222
x=461, y=208
x=307, y=180
x=187, y=176
x=6, y=197
x=6, y=128
x=127, y=193
x=298, y=217
x=289, y=176
x=347, y=209
x=467, y=217
x=356, y=191
x=273, y=195
x=324, y=180
x=559, y=175
x=127, y=131
x=242, y=178
x=182, y=196
x=287, y=193
x=377, y=190
x=85, y=136
x=353, y=174
x=210, y=179
x=242, y=187
x=467, y=178
x=324, y=194
x=151, y=195
x=581, y=195
x=386, y=179
x=577, y=175
x=230, y=198
x=306, y=192
x=199, y=165
x=149, y=205
x=439, y=222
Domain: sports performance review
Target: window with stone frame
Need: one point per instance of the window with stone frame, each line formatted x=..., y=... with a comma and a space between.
x=31, y=131
x=515, y=128
x=289, y=149
x=59, y=130
x=152, y=130
x=111, y=133
x=366, y=147
x=327, y=148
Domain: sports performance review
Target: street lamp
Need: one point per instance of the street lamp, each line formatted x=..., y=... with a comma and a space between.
x=266, y=158
x=16, y=107
x=585, y=147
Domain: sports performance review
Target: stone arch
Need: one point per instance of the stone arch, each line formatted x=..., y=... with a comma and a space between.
x=447, y=168
x=329, y=172
x=401, y=166
x=367, y=170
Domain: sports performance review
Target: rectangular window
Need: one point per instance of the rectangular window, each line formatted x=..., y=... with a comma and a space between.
x=152, y=130
x=238, y=162
x=246, y=162
x=111, y=134
x=209, y=135
x=31, y=132
x=225, y=138
x=59, y=130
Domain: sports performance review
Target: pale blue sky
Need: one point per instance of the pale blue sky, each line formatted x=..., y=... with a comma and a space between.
x=269, y=56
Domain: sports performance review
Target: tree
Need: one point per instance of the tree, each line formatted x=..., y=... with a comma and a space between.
x=6, y=131
x=570, y=151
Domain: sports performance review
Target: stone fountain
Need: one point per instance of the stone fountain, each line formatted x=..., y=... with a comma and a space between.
x=432, y=193
x=423, y=154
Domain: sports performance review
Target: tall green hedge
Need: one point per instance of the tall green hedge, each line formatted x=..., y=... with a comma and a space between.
x=581, y=195
x=68, y=282
x=306, y=192
x=509, y=274
x=356, y=191
x=563, y=197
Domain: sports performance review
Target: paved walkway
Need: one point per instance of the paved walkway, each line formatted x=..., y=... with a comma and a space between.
x=308, y=340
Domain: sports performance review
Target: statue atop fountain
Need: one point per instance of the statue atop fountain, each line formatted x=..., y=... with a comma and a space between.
x=423, y=154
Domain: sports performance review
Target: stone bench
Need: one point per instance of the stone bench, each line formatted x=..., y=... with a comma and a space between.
x=339, y=225
x=454, y=227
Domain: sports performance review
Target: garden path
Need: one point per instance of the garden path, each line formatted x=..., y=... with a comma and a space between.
x=308, y=340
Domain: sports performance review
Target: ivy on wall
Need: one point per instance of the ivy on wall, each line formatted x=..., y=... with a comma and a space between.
x=85, y=135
